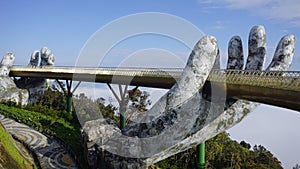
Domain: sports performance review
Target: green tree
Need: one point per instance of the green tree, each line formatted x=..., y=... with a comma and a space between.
x=297, y=166
x=245, y=145
x=222, y=152
x=88, y=109
x=139, y=99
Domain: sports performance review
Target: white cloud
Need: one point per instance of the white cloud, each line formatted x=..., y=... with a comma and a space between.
x=94, y=91
x=246, y=3
x=277, y=10
x=220, y=24
x=205, y=1
x=148, y=57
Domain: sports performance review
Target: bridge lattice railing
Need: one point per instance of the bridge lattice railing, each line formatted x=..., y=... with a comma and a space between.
x=273, y=79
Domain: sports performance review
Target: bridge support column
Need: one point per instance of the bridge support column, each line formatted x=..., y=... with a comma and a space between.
x=201, y=156
x=123, y=102
x=69, y=103
x=122, y=111
x=69, y=94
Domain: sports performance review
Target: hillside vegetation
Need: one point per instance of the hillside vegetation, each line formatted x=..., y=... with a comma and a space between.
x=48, y=115
x=222, y=152
x=10, y=157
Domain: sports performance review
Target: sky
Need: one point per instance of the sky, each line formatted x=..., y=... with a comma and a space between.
x=66, y=27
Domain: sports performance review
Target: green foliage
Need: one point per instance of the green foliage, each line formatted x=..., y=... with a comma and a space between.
x=52, y=100
x=222, y=152
x=10, y=157
x=48, y=115
x=54, y=126
x=139, y=99
x=245, y=145
x=88, y=109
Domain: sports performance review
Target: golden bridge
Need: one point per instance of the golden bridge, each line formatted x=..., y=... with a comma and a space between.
x=278, y=88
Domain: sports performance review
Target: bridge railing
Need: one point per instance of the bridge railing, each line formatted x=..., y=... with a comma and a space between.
x=284, y=80
x=162, y=77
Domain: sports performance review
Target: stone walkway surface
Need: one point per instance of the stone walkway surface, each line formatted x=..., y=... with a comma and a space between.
x=49, y=152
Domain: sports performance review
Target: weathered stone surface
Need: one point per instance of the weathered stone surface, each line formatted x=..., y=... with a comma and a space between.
x=256, y=48
x=183, y=118
x=36, y=86
x=237, y=111
x=233, y=114
x=192, y=79
x=235, y=53
x=23, y=90
x=284, y=53
x=47, y=57
x=95, y=134
x=34, y=59
x=6, y=64
x=8, y=89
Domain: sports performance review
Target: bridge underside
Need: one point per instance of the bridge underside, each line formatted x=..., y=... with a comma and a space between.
x=282, y=98
x=275, y=88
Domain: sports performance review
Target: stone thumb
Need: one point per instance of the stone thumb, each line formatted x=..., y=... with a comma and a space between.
x=6, y=63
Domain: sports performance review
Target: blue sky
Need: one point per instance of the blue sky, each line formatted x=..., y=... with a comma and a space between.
x=65, y=27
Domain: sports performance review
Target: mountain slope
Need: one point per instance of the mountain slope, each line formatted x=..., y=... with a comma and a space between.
x=10, y=157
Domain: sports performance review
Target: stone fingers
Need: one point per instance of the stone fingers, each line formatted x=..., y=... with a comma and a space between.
x=184, y=123
x=235, y=60
x=36, y=86
x=34, y=59
x=182, y=107
x=200, y=62
x=256, y=48
x=281, y=62
x=237, y=111
x=47, y=58
x=207, y=110
x=235, y=54
x=284, y=53
x=255, y=61
x=256, y=55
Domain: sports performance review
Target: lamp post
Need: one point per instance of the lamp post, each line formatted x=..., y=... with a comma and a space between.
x=201, y=155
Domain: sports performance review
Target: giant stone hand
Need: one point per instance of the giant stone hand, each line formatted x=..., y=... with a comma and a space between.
x=8, y=89
x=24, y=90
x=186, y=115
